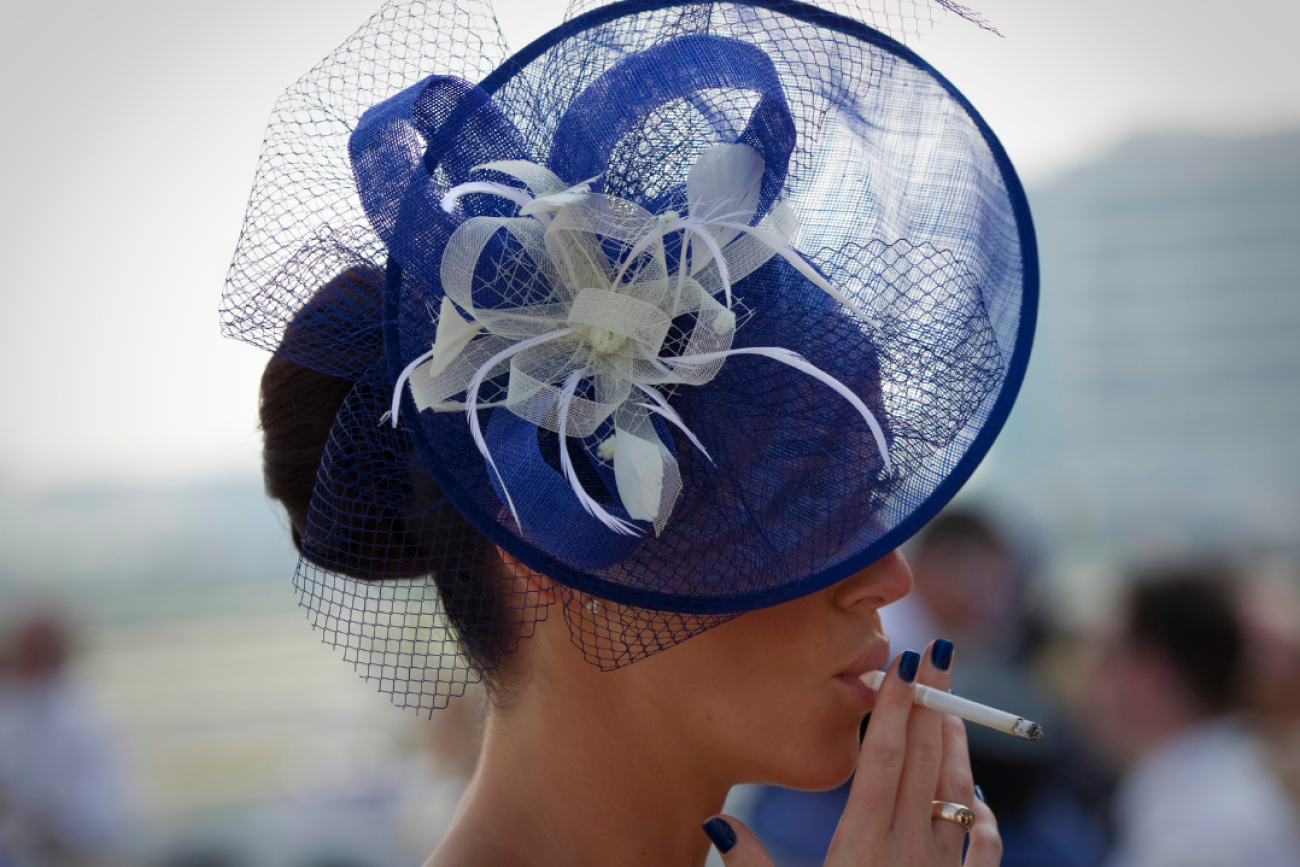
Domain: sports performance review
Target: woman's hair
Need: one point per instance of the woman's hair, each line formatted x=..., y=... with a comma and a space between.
x=368, y=539
x=297, y=410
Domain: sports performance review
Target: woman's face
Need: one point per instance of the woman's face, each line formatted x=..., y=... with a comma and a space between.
x=772, y=697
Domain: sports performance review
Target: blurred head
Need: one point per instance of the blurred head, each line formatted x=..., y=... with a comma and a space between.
x=966, y=575
x=35, y=648
x=1172, y=664
x=1270, y=618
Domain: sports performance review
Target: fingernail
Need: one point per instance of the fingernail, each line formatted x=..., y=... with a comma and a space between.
x=908, y=665
x=721, y=834
x=979, y=793
x=941, y=654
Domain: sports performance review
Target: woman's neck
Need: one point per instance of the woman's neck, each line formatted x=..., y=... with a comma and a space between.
x=570, y=775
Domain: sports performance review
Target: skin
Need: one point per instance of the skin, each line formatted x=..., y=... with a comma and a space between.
x=584, y=767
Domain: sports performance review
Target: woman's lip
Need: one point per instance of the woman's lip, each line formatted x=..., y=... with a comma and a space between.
x=866, y=697
x=874, y=658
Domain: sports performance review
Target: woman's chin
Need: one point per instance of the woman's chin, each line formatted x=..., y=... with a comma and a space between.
x=826, y=767
x=830, y=778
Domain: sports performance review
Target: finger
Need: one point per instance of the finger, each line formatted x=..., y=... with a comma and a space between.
x=954, y=786
x=735, y=843
x=985, y=841
x=869, y=811
x=916, y=790
x=955, y=783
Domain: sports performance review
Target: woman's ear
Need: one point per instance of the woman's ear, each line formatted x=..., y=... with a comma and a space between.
x=537, y=585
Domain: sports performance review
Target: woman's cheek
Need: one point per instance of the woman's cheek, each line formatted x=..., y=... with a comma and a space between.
x=801, y=737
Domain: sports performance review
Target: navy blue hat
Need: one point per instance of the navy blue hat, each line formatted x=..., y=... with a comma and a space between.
x=694, y=308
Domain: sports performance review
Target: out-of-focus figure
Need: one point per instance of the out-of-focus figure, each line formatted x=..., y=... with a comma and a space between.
x=1197, y=788
x=970, y=587
x=1270, y=612
x=61, y=797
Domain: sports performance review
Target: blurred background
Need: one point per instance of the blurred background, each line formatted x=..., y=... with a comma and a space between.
x=1125, y=566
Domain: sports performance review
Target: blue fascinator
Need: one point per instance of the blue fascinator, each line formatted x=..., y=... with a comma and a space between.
x=694, y=308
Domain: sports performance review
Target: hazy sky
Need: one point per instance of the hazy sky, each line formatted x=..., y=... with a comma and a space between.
x=132, y=130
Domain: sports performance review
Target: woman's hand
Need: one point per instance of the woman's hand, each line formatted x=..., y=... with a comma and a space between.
x=911, y=756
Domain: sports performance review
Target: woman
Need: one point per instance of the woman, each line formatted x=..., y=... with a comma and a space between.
x=625, y=333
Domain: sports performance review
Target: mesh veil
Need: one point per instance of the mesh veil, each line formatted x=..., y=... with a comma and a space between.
x=411, y=562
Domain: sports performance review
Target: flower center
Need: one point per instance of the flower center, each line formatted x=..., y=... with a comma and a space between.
x=602, y=340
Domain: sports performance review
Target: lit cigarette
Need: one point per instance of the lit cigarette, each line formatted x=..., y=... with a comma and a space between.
x=946, y=702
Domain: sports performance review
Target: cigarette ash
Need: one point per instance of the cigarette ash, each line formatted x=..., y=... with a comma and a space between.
x=1029, y=730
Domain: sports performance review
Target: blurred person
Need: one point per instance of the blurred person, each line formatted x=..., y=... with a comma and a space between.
x=969, y=582
x=62, y=800
x=1197, y=789
x=972, y=580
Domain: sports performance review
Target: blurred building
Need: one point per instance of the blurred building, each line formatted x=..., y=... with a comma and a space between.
x=1160, y=411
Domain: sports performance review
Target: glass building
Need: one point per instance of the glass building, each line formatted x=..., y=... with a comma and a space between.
x=1161, y=412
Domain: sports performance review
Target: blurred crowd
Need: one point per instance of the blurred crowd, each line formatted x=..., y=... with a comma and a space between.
x=1173, y=723
x=1173, y=729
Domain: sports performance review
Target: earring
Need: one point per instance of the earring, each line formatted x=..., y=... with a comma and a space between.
x=593, y=605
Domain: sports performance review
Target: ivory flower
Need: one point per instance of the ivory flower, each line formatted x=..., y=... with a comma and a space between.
x=600, y=293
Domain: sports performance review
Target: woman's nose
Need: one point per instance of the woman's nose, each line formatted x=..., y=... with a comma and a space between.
x=887, y=580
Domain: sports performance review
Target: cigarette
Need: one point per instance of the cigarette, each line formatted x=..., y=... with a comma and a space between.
x=946, y=702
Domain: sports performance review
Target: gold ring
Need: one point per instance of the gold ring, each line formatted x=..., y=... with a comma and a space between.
x=953, y=813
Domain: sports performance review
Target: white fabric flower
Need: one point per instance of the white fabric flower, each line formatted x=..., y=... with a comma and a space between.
x=583, y=318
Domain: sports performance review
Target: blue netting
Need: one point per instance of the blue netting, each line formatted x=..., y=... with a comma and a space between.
x=906, y=204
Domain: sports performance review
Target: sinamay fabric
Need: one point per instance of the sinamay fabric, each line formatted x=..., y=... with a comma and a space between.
x=742, y=298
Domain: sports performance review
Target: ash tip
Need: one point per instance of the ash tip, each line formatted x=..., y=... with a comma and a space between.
x=1029, y=730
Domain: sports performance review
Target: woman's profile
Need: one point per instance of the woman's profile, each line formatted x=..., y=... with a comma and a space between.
x=613, y=375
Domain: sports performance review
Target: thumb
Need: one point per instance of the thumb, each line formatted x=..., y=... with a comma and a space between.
x=735, y=843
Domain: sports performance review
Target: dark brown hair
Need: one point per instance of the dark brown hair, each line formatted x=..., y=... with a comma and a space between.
x=1188, y=615
x=297, y=409
x=368, y=538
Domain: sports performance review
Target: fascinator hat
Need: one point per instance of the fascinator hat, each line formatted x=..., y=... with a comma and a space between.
x=694, y=308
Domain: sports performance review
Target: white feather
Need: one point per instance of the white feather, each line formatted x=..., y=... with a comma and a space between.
x=798, y=362
x=727, y=176
x=639, y=474
x=401, y=381
x=792, y=256
x=514, y=194
x=618, y=525
x=662, y=408
x=471, y=402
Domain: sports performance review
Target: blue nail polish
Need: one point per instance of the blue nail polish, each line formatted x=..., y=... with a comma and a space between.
x=941, y=654
x=908, y=664
x=979, y=793
x=721, y=834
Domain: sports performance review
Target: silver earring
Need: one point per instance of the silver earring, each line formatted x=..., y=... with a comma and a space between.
x=593, y=605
